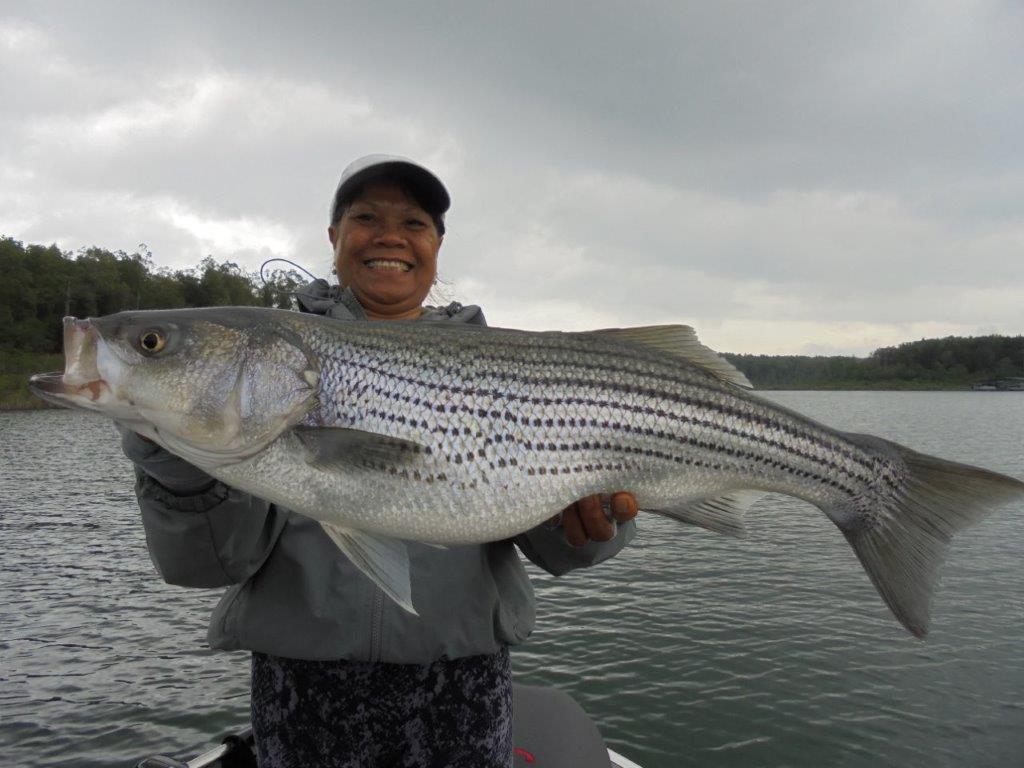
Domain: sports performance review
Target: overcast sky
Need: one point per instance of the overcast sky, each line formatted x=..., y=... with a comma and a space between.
x=787, y=177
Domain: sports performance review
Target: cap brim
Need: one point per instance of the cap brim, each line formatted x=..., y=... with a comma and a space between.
x=425, y=186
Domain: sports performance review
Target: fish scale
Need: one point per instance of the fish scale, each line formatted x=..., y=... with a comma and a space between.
x=449, y=434
x=377, y=384
x=602, y=402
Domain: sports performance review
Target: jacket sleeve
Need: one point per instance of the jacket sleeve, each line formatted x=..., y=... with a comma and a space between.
x=547, y=548
x=199, y=532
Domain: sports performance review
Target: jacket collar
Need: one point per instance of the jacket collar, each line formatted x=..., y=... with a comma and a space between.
x=321, y=298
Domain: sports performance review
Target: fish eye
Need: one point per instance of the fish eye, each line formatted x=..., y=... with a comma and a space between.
x=152, y=341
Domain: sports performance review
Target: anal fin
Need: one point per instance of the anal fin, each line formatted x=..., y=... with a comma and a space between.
x=722, y=514
x=384, y=560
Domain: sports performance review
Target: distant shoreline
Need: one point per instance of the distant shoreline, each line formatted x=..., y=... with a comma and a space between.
x=113, y=281
x=930, y=365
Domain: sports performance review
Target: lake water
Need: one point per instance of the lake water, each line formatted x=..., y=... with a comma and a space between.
x=689, y=649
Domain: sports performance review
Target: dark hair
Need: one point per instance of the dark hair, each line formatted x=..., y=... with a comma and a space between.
x=412, y=189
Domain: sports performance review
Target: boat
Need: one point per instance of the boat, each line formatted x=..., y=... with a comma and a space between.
x=1005, y=384
x=549, y=730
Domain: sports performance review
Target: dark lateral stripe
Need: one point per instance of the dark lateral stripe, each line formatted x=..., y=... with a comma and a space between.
x=764, y=440
x=668, y=374
x=574, y=448
x=382, y=391
x=673, y=398
x=470, y=352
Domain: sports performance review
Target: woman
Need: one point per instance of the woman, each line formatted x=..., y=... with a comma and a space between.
x=341, y=676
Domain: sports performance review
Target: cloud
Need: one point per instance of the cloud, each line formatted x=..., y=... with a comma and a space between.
x=180, y=108
x=18, y=36
x=817, y=176
x=228, y=235
x=234, y=162
x=796, y=262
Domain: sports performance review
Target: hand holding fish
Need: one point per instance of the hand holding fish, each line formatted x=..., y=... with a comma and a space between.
x=586, y=519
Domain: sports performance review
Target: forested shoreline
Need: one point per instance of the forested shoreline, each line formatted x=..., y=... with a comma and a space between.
x=42, y=284
x=953, y=362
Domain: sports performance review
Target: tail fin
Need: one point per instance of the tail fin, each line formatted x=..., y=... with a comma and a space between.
x=902, y=542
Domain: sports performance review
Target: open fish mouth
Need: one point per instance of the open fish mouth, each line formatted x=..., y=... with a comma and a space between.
x=53, y=388
x=50, y=387
x=80, y=384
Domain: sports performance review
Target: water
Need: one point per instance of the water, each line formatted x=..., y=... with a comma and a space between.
x=688, y=649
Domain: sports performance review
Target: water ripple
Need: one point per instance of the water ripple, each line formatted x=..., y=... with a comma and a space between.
x=688, y=648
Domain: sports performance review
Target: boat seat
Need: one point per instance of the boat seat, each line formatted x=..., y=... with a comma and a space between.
x=550, y=730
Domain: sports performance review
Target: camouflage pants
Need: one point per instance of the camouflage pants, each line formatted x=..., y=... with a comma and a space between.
x=346, y=714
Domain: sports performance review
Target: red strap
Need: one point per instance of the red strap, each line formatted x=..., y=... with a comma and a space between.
x=527, y=756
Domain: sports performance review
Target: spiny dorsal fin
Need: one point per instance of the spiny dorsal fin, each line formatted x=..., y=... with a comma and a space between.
x=680, y=341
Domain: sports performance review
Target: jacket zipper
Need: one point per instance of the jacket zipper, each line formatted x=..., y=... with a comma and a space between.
x=377, y=625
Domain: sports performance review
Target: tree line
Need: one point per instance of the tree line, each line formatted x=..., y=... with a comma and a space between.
x=953, y=362
x=42, y=284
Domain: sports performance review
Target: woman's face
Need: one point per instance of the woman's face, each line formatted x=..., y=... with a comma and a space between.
x=385, y=250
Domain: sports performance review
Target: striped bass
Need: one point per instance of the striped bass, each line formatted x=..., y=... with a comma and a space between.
x=451, y=434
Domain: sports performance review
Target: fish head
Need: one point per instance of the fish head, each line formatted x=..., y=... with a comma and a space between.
x=215, y=386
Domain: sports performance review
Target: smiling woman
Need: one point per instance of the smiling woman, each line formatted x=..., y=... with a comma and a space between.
x=340, y=675
x=385, y=248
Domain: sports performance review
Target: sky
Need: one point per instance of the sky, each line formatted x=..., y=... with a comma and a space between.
x=786, y=177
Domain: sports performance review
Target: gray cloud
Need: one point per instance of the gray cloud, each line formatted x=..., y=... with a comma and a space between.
x=786, y=177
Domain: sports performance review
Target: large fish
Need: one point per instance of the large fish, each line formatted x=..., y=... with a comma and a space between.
x=451, y=434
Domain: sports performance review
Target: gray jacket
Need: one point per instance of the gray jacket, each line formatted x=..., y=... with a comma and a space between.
x=291, y=592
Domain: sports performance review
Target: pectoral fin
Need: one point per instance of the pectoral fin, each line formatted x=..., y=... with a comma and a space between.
x=335, y=448
x=384, y=560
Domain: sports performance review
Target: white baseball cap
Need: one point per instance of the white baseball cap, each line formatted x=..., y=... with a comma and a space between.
x=427, y=188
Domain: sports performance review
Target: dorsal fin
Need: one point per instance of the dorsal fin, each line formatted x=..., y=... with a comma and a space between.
x=680, y=341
